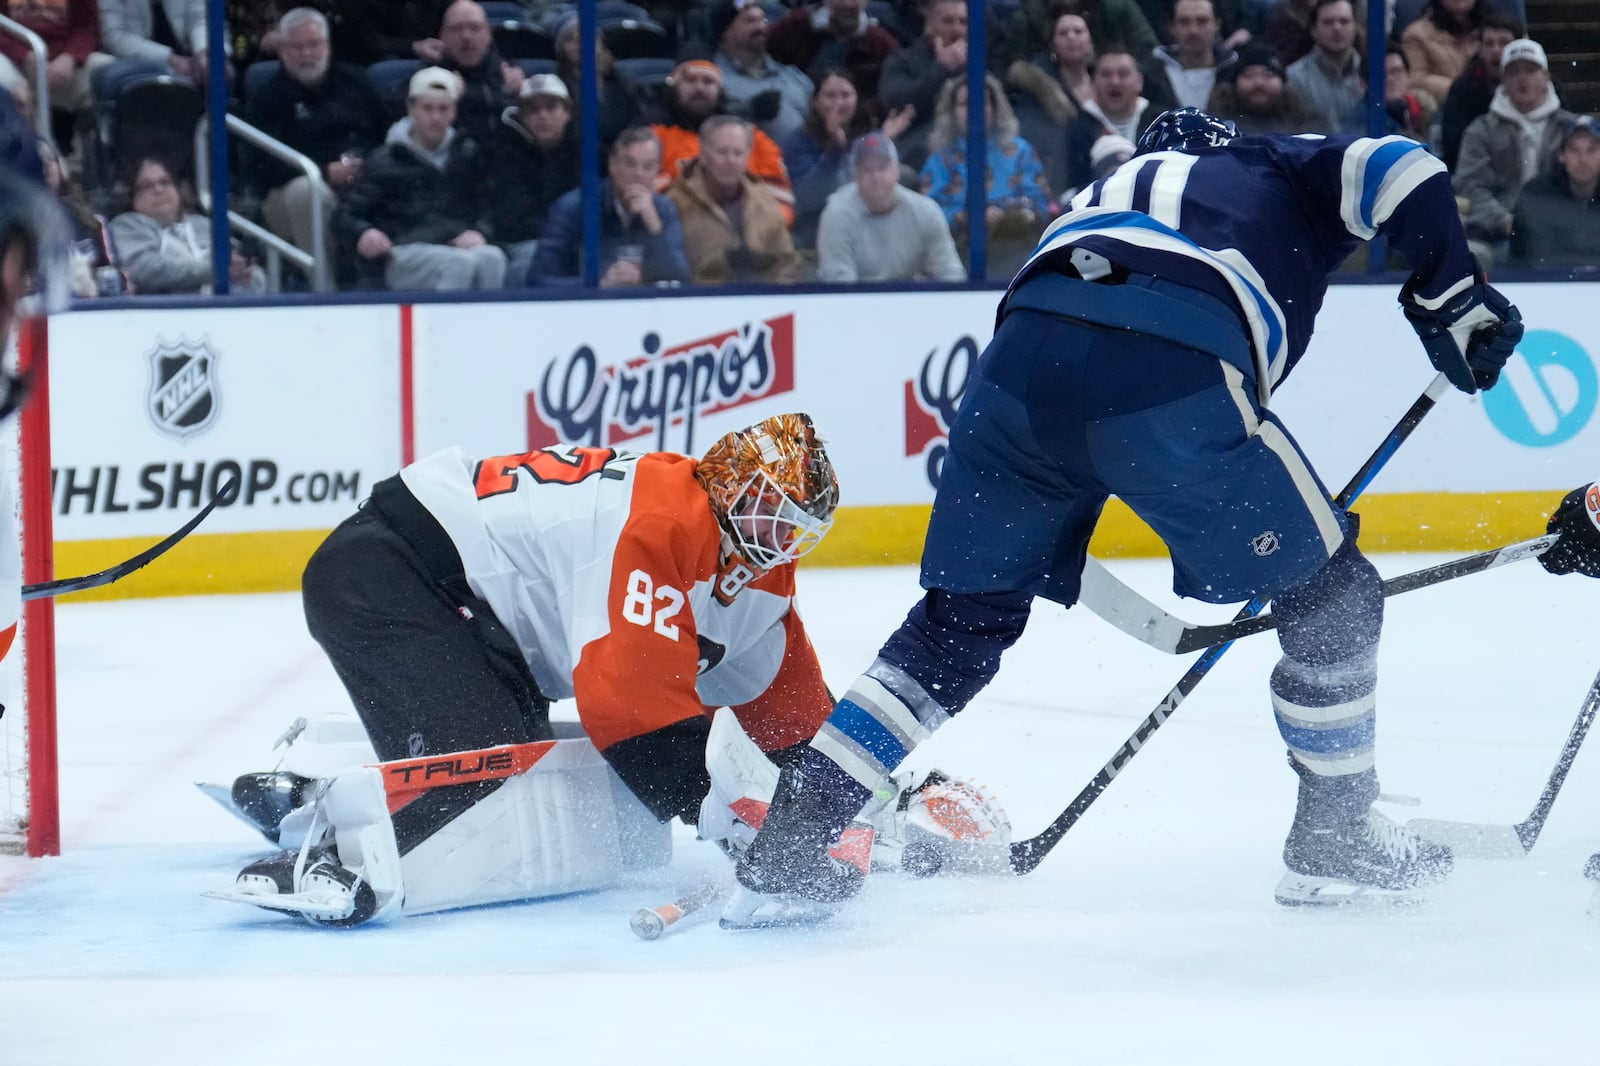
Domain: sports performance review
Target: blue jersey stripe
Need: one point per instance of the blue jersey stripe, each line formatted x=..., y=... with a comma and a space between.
x=1355, y=737
x=860, y=725
x=1376, y=169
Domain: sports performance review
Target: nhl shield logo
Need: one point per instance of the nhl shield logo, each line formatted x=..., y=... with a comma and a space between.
x=1264, y=544
x=183, y=387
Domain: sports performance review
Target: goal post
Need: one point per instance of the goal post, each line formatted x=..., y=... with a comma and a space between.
x=29, y=801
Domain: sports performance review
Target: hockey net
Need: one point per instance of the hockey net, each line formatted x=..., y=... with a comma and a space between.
x=29, y=818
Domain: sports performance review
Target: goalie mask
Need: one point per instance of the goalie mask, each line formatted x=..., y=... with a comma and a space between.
x=772, y=488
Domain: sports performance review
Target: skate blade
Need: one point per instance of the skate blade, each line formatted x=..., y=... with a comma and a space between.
x=322, y=906
x=222, y=795
x=757, y=910
x=1304, y=890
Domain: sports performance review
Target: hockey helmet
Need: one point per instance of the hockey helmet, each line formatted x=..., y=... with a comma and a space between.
x=1184, y=130
x=772, y=488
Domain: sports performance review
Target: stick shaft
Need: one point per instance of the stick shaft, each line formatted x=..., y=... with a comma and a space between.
x=1027, y=854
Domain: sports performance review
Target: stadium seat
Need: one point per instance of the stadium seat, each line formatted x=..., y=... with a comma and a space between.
x=522, y=38
x=644, y=79
x=256, y=76
x=140, y=111
x=391, y=79
x=630, y=38
x=530, y=67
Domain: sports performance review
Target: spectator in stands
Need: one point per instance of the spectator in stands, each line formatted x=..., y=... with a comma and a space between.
x=1441, y=43
x=694, y=94
x=734, y=228
x=535, y=157
x=1118, y=108
x=914, y=75
x=641, y=237
x=368, y=31
x=775, y=94
x=1051, y=88
x=420, y=207
x=163, y=247
x=1017, y=196
x=618, y=109
x=1471, y=92
x=1017, y=200
x=490, y=83
x=834, y=33
x=1033, y=29
x=1557, y=217
x=1257, y=98
x=326, y=111
x=875, y=229
x=176, y=40
x=71, y=33
x=1410, y=110
x=1183, y=73
x=1328, y=78
x=1508, y=147
x=88, y=252
x=818, y=153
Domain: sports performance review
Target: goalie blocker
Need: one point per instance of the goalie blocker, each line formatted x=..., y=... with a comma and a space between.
x=525, y=821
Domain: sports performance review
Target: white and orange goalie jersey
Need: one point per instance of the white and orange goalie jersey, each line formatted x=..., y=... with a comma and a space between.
x=604, y=566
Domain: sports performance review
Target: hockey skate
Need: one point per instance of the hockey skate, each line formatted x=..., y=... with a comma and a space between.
x=790, y=875
x=310, y=883
x=1341, y=850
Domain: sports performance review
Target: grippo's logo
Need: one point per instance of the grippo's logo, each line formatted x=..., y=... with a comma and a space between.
x=579, y=401
x=932, y=399
x=182, y=399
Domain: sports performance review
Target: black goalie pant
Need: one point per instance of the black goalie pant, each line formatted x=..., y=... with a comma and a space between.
x=428, y=666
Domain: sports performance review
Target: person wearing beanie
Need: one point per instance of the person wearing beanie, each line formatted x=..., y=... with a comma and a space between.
x=694, y=93
x=775, y=94
x=1329, y=78
x=1254, y=96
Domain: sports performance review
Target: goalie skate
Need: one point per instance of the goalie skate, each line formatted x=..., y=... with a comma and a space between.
x=327, y=893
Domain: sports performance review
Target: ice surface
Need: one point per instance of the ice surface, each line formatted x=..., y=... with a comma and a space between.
x=1149, y=936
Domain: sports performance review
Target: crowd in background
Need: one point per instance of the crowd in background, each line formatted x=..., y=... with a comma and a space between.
x=742, y=141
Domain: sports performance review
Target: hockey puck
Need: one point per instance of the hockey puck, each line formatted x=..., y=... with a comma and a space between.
x=922, y=858
x=647, y=924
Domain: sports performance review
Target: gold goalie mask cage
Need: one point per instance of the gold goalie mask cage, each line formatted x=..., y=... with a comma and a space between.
x=772, y=488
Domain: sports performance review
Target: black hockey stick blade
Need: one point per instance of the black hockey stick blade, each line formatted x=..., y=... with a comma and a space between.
x=63, y=585
x=1026, y=855
x=1474, y=840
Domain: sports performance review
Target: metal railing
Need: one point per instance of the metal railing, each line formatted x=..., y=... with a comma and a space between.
x=41, y=74
x=314, y=263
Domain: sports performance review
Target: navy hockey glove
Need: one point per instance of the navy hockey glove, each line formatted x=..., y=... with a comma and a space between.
x=1577, y=521
x=1470, y=338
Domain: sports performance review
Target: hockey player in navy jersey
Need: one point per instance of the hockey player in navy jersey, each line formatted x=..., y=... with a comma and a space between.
x=1134, y=355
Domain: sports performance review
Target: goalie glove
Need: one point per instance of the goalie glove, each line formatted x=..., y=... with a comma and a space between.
x=929, y=823
x=1577, y=524
x=1469, y=336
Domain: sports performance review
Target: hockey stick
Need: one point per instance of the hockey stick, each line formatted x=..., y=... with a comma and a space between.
x=1026, y=855
x=648, y=923
x=63, y=585
x=1474, y=840
x=1164, y=631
